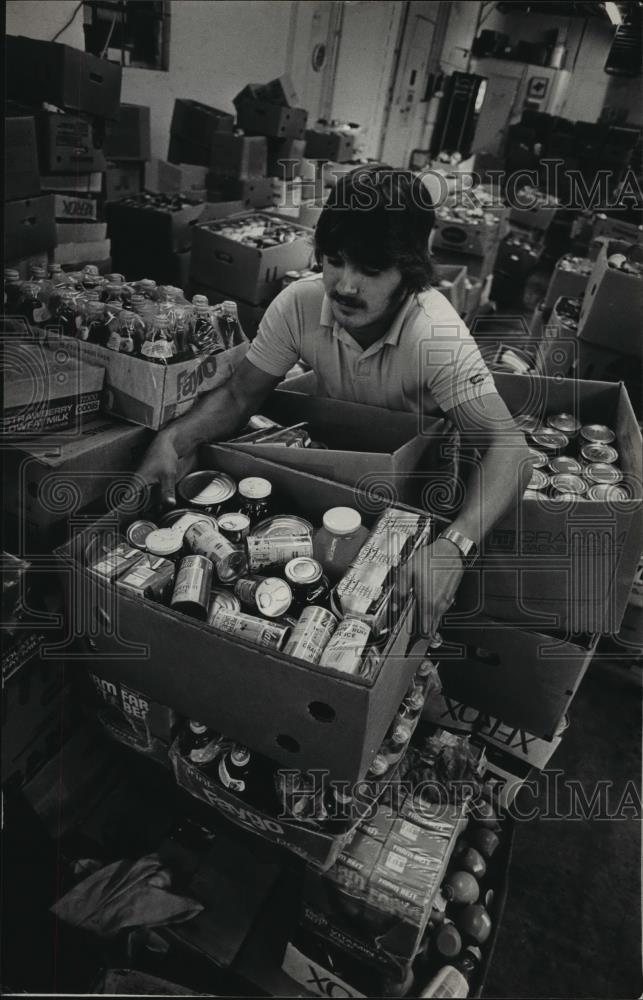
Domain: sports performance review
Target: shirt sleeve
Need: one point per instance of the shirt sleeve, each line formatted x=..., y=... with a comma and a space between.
x=275, y=349
x=454, y=369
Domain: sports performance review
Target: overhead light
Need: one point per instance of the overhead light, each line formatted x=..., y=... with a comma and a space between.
x=614, y=14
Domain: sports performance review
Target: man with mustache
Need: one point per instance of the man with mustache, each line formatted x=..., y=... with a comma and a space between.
x=374, y=331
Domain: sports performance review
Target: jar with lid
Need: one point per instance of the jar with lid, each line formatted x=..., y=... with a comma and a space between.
x=338, y=541
x=255, y=494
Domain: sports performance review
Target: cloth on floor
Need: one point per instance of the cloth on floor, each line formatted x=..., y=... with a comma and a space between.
x=125, y=894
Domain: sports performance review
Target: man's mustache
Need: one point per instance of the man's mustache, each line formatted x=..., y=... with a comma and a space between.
x=349, y=303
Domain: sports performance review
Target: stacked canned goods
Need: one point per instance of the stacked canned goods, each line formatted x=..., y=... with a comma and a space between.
x=257, y=230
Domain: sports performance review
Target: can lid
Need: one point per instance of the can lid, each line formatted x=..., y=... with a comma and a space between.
x=342, y=520
x=603, y=472
x=138, y=532
x=565, y=465
x=234, y=522
x=303, y=570
x=567, y=483
x=240, y=756
x=547, y=437
x=539, y=480
x=565, y=422
x=273, y=597
x=220, y=488
x=598, y=433
x=597, y=452
x=607, y=491
x=164, y=541
x=255, y=488
x=539, y=458
x=197, y=727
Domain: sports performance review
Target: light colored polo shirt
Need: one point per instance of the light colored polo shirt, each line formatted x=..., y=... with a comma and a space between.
x=427, y=361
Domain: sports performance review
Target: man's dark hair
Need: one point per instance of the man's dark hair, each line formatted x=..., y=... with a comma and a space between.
x=378, y=217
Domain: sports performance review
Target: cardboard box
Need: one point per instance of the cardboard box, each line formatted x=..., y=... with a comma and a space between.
x=137, y=260
x=128, y=717
x=83, y=469
x=80, y=232
x=129, y=138
x=183, y=150
x=66, y=206
x=538, y=215
x=285, y=158
x=191, y=176
x=66, y=145
x=162, y=230
x=612, y=308
x=47, y=390
x=455, y=291
x=477, y=267
x=238, y=156
x=369, y=447
x=255, y=192
x=294, y=712
x=282, y=91
x=602, y=365
x=22, y=175
x=162, y=177
x=81, y=253
x=326, y=144
x=475, y=238
x=29, y=226
x=549, y=565
x=40, y=71
x=89, y=183
x=309, y=212
x=122, y=181
x=263, y=118
x=557, y=347
x=192, y=128
x=615, y=228
x=568, y=284
x=245, y=272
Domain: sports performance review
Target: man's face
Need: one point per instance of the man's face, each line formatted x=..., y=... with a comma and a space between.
x=359, y=298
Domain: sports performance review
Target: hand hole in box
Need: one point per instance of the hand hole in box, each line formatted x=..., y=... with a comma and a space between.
x=288, y=743
x=321, y=711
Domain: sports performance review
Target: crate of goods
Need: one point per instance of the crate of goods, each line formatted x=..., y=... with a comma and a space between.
x=364, y=446
x=450, y=279
x=569, y=279
x=291, y=710
x=533, y=209
x=86, y=469
x=29, y=226
x=22, y=175
x=563, y=557
x=73, y=183
x=66, y=145
x=162, y=222
x=248, y=255
x=558, y=347
x=192, y=130
x=38, y=71
x=613, y=303
x=129, y=138
x=328, y=143
x=47, y=390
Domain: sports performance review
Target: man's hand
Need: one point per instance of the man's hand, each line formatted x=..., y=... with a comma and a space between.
x=437, y=571
x=160, y=465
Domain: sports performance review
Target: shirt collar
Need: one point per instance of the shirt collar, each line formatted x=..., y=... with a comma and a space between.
x=392, y=337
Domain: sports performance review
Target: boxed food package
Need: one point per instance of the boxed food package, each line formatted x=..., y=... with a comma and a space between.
x=22, y=176
x=132, y=719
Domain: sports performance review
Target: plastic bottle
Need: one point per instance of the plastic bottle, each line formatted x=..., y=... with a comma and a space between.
x=147, y=288
x=204, y=334
x=132, y=332
x=338, y=541
x=454, y=980
x=97, y=330
x=158, y=344
x=29, y=304
x=63, y=313
x=231, y=327
x=90, y=277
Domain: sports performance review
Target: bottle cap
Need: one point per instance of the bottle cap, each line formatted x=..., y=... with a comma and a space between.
x=240, y=756
x=255, y=488
x=303, y=569
x=200, y=300
x=11, y=275
x=90, y=270
x=38, y=272
x=147, y=283
x=342, y=520
x=116, y=279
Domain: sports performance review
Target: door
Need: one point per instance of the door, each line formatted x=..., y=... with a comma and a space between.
x=408, y=90
x=495, y=114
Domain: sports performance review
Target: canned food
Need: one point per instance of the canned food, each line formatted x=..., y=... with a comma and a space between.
x=566, y=483
x=164, y=542
x=539, y=480
x=539, y=459
x=597, y=434
x=191, y=593
x=599, y=453
x=283, y=524
x=234, y=527
x=276, y=550
x=550, y=441
x=207, y=489
x=564, y=422
x=603, y=472
x=255, y=495
x=564, y=465
x=181, y=519
x=258, y=631
x=527, y=422
x=269, y=594
x=345, y=647
x=311, y=634
x=151, y=577
x=204, y=540
x=138, y=532
x=607, y=491
x=222, y=600
x=306, y=577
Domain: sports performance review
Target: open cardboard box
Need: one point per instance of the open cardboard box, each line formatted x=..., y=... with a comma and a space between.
x=292, y=711
x=612, y=308
x=568, y=284
x=563, y=565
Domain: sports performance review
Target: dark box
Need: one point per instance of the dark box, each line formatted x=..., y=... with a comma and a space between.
x=264, y=118
x=238, y=156
x=284, y=158
x=122, y=180
x=38, y=71
x=198, y=122
x=329, y=145
x=66, y=145
x=129, y=138
x=29, y=226
x=157, y=228
x=21, y=176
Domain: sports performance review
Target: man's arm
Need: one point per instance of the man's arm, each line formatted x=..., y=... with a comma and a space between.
x=214, y=417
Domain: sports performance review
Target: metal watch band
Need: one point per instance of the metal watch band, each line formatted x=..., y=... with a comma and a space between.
x=467, y=548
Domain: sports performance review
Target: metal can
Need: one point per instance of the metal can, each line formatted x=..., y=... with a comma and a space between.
x=268, y=594
x=566, y=466
x=527, y=422
x=258, y=631
x=606, y=492
x=234, y=527
x=603, y=472
x=151, y=577
x=311, y=634
x=283, y=524
x=276, y=550
x=550, y=441
x=539, y=480
x=539, y=458
x=566, y=483
x=599, y=453
x=191, y=593
x=255, y=494
x=345, y=647
x=205, y=540
x=138, y=532
x=222, y=600
x=564, y=422
x=164, y=542
x=597, y=434
x=306, y=577
x=210, y=490
x=180, y=519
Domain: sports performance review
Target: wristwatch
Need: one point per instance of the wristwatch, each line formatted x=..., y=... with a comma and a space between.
x=467, y=548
